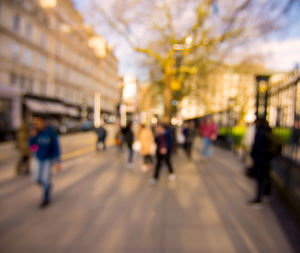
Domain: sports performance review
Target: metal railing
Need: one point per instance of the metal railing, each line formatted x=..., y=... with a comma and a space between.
x=283, y=114
x=282, y=111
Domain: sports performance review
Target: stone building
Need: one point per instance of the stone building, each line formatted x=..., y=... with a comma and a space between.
x=45, y=54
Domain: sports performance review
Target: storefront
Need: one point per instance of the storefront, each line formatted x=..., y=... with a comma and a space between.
x=10, y=112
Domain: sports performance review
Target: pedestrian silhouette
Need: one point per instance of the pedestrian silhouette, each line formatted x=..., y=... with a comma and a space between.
x=265, y=147
x=208, y=130
x=189, y=133
x=44, y=141
x=146, y=140
x=129, y=139
x=164, y=144
x=101, y=137
x=22, y=144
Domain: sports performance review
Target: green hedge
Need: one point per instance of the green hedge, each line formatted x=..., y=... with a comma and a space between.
x=237, y=133
x=283, y=133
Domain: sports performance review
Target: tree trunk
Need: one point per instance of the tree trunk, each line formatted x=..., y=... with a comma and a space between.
x=167, y=97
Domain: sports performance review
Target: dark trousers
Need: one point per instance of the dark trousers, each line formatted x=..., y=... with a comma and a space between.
x=130, y=154
x=160, y=158
x=101, y=144
x=263, y=181
x=188, y=149
x=148, y=159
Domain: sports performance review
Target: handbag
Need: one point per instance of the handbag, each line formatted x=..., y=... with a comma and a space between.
x=137, y=146
x=180, y=138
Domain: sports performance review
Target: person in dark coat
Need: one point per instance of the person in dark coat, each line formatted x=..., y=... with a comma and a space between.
x=129, y=139
x=261, y=159
x=101, y=137
x=189, y=133
x=164, y=145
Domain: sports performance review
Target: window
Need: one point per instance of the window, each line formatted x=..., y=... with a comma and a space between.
x=70, y=96
x=22, y=83
x=66, y=73
x=16, y=23
x=28, y=31
x=43, y=62
x=43, y=88
x=57, y=91
x=57, y=48
x=15, y=52
x=28, y=57
x=67, y=95
x=61, y=95
x=13, y=79
x=43, y=40
x=57, y=70
x=30, y=86
x=45, y=21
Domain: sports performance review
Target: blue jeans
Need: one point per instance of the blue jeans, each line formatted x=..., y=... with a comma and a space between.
x=130, y=155
x=206, y=147
x=43, y=176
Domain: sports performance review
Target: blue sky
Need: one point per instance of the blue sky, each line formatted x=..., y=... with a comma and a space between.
x=281, y=50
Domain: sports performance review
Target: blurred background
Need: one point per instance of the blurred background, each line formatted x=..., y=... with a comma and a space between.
x=80, y=61
x=85, y=63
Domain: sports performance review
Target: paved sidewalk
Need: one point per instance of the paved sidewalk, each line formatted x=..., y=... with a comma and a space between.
x=100, y=206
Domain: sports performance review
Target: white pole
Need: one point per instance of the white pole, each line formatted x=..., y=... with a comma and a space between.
x=123, y=115
x=97, y=110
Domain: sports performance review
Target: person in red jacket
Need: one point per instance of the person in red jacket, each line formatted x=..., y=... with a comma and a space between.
x=208, y=130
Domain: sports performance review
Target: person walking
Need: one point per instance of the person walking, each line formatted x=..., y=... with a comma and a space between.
x=101, y=137
x=129, y=139
x=164, y=142
x=208, y=130
x=44, y=141
x=189, y=133
x=146, y=140
x=22, y=144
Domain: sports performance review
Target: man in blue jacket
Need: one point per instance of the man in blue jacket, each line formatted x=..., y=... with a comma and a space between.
x=44, y=142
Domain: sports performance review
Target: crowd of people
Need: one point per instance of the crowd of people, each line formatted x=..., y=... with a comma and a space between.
x=156, y=144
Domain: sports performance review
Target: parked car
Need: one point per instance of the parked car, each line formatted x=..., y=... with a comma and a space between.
x=87, y=125
x=69, y=126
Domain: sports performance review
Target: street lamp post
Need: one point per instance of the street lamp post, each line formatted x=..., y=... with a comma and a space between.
x=231, y=104
x=262, y=95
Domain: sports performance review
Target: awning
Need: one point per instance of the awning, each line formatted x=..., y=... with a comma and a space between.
x=73, y=112
x=36, y=106
x=45, y=107
x=56, y=108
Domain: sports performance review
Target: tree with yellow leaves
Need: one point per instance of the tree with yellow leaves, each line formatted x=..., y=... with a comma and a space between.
x=187, y=37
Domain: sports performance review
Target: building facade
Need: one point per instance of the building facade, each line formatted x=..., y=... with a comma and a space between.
x=150, y=104
x=222, y=91
x=45, y=54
